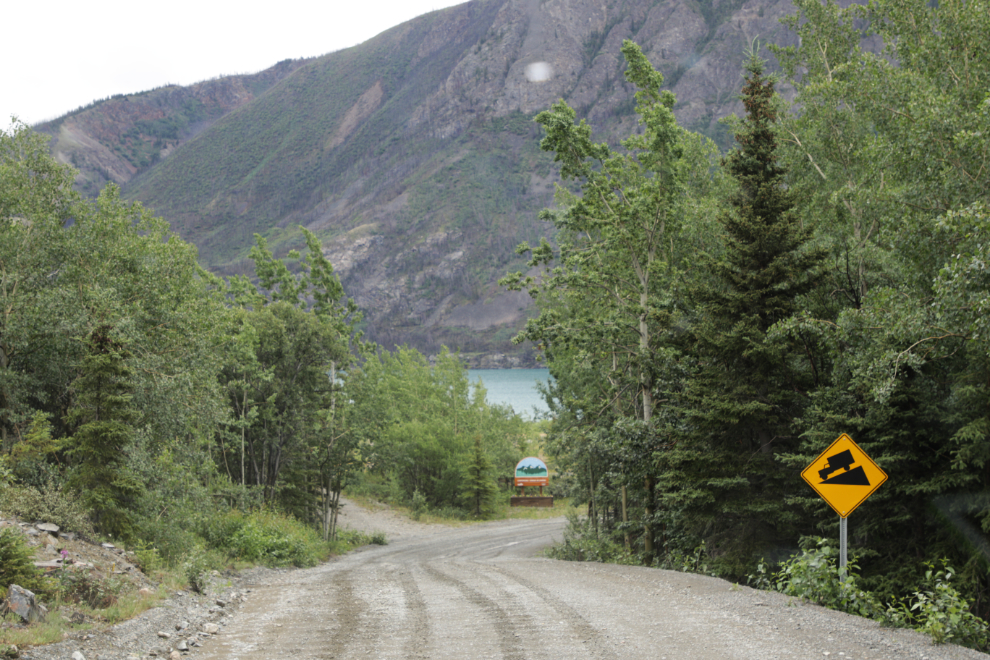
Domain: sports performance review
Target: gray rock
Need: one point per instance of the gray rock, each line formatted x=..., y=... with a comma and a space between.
x=182, y=625
x=108, y=546
x=174, y=655
x=21, y=602
x=211, y=628
x=182, y=646
x=51, y=528
x=221, y=602
x=164, y=635
x=77, y=655
x=68, y=536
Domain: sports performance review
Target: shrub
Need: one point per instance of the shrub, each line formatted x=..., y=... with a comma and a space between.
x=171, y=540
x=814, y=575
x=263, y=536
x=17, y=564
x=580, y=544
x=49, y=503
x=196, y=568
x=85, y=587
x=940, y=611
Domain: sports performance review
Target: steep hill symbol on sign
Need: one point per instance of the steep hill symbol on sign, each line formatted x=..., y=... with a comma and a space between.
x=842, y=461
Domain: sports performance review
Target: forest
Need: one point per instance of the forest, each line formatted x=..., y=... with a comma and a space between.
x=714, y=321
x=200, y=420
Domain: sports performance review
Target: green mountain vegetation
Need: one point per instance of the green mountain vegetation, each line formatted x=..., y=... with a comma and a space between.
x=711, y=322
x=413, y=157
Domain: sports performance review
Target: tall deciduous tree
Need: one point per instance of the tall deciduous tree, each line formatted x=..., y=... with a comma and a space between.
x=607, y=300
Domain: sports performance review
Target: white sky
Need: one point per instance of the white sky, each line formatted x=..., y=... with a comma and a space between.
x=62, y=54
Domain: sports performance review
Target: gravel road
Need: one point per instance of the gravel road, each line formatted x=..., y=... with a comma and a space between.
x=483, y=591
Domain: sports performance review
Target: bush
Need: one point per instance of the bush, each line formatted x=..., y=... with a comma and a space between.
x=196, y=568
x=170, y=540
x=89, y=588
x=940, y=611
x=580, y=544
x=17, y=564
x=263, y=536
x=48, y=503
x=937, y=610
x=814, y=576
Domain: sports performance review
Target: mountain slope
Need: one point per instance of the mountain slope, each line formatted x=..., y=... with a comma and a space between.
x=414, y=157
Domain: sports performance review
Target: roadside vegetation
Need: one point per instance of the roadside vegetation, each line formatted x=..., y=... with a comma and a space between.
x=712, y=322
x=204, y=423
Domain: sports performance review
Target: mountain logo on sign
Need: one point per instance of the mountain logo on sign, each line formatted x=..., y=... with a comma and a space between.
x=842, y=461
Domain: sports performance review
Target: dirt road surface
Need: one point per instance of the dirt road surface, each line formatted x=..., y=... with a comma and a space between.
x=484, y=591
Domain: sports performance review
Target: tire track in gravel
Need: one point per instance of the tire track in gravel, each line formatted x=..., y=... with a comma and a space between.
x=504, y=628
x=578, y=623
x=347, y=610
x=419, y=633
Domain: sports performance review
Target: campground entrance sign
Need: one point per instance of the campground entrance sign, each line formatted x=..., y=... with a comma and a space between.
x=531, y=471
x=844, y=475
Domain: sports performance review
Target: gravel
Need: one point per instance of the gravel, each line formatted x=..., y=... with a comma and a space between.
x=484, y=591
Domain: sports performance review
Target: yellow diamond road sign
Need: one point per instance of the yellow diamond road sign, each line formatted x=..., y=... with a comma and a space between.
x=844, y=475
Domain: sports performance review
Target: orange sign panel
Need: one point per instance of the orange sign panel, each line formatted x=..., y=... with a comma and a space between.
x=844, y=475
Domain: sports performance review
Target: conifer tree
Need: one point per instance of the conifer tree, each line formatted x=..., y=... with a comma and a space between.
x=743, y=400
x=479, y=485
x=105, y=416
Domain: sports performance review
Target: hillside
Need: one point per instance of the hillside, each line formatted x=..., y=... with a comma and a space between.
x=413, y=155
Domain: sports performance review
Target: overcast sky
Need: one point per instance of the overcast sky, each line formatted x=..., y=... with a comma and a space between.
x=60, y=55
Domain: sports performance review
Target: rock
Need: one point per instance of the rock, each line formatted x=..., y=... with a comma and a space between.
x=51, y=528
x=68, y=536
x=77, y=655
x=182, y=625
x=108, y=546
x=211, y=628
x=221, y=602
x=174, y=655
x=164, y=635
x=182, y=646
x=21, y=602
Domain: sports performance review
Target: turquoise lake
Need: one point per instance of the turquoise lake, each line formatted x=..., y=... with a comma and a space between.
x=513, y=387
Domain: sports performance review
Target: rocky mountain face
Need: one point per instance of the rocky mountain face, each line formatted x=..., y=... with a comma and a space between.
x=413, y=155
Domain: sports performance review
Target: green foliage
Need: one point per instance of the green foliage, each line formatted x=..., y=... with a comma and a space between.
x=581, y=543
x=814, y=575
x=105, y=415
x=428, y=437
x=17, y=563
x=938, y=610
x=86, y=587
x=196, y=568
x=50, y=502
x=479, y=489
x=264, y=537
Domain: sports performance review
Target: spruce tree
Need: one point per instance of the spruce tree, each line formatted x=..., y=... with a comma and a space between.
x=479, y=488
x=745, y=395
x=103, y=411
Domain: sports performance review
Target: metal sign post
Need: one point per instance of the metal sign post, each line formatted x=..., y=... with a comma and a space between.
x=843, y=537
x=844, y=476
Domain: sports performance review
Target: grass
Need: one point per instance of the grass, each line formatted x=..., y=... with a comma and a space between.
x=57, y=625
